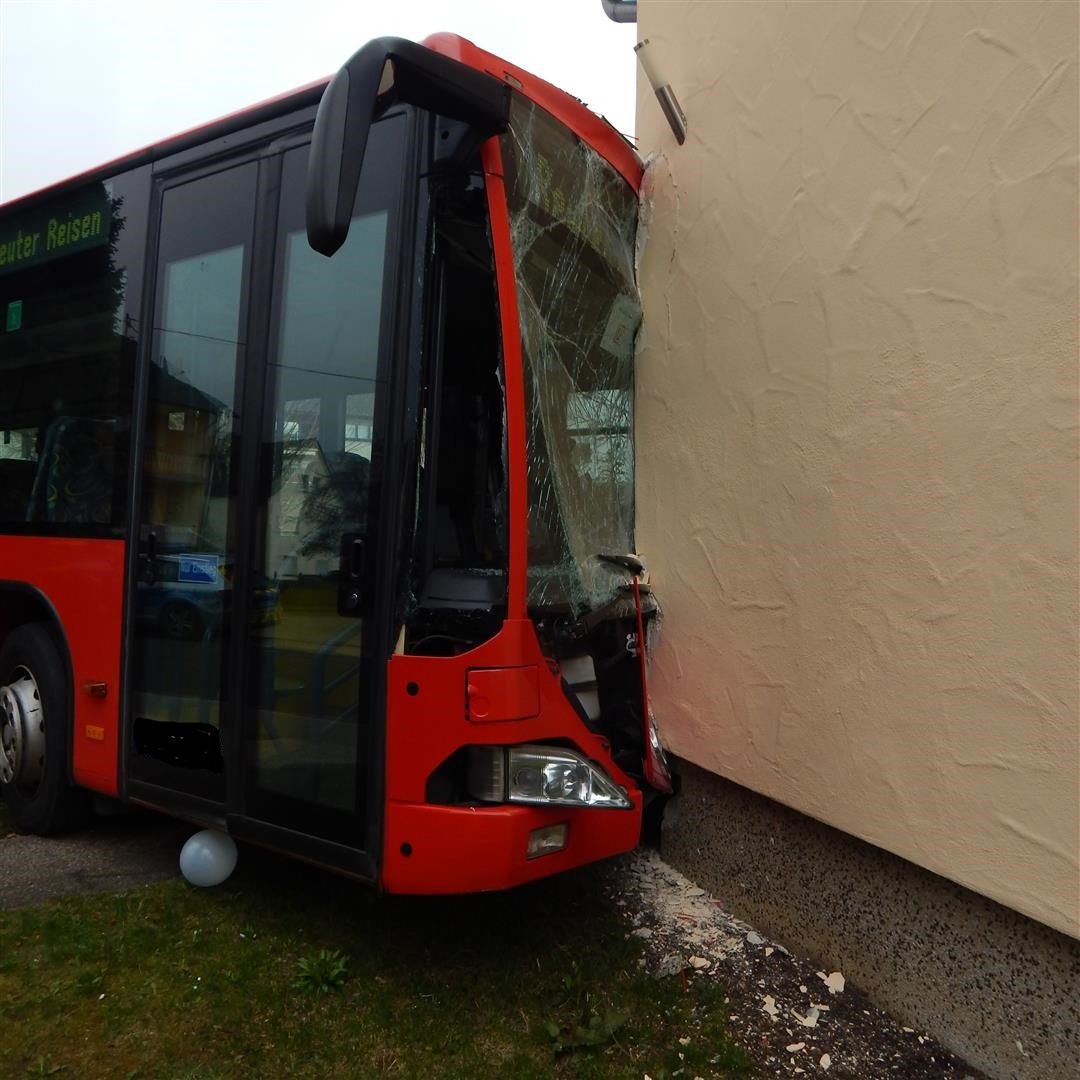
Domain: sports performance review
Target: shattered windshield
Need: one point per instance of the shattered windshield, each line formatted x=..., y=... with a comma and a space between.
x=572, y=223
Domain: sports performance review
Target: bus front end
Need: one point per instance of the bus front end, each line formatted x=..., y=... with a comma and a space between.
x=518, y=738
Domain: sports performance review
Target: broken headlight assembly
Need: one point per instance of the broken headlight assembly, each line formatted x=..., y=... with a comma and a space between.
x=541, y=776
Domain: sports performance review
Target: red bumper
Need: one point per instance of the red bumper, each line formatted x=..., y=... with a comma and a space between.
x=450, y=849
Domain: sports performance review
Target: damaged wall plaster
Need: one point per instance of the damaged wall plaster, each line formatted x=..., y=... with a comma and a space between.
x=857, y=423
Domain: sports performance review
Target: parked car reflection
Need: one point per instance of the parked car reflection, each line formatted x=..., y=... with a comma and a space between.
x=186, y=595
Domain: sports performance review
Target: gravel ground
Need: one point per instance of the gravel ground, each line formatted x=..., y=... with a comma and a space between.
x=791, y=1017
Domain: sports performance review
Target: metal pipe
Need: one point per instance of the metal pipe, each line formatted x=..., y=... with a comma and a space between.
x=669, y=103
x=620, y=11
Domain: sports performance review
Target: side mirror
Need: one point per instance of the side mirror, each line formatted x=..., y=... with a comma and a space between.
x=384, y=72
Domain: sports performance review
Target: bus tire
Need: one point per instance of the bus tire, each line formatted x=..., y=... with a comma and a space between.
x=35, y=781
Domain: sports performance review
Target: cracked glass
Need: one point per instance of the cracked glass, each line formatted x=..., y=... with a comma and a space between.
x=573, y=220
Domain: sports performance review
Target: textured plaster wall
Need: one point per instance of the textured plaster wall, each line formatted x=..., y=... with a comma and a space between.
x=857, y=422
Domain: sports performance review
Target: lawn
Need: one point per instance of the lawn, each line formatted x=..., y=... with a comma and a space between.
x=286, y=971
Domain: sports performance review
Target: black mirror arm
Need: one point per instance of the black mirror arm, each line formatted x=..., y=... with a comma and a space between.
x=352, y=102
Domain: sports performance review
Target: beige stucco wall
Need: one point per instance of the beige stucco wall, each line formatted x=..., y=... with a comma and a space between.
x=857, y=422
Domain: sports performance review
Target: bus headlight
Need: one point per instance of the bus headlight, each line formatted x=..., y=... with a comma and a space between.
x=541, y=776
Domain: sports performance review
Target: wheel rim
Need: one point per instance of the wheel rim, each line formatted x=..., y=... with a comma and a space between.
x=22, y=731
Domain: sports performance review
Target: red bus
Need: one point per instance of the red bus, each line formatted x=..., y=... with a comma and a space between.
x=316, y=480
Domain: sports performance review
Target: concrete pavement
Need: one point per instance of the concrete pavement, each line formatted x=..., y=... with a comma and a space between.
x=116, y=852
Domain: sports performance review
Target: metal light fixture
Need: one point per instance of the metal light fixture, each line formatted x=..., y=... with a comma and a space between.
x=620, y=11
x=673, y=113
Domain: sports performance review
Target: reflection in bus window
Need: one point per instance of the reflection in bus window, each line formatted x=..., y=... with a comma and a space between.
x=66, y=362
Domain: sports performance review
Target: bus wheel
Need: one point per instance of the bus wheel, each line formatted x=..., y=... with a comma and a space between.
x=35, y=734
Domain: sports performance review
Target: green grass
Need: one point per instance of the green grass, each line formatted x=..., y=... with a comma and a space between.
x=285, y=971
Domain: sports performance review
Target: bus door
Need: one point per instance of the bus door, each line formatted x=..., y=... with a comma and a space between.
x=317, y=650
x=256, y=673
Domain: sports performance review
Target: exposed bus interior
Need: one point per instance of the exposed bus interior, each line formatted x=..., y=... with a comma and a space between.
x=461, y=565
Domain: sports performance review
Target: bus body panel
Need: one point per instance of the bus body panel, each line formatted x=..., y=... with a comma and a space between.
x=431, y=848
x=454, y=849
x=510, y=329
x=83, y=580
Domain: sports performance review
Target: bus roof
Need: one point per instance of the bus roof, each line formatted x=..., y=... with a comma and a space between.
x=587, y=125
x=581, y=120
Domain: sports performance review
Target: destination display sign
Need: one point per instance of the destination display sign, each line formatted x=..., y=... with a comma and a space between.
x=54, y=230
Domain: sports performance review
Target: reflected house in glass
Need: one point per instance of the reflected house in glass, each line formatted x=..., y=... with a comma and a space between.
x=186, y=458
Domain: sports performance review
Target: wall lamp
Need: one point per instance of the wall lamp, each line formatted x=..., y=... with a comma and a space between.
x=669, y=103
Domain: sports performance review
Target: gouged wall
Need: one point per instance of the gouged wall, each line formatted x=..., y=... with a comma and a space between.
x=857, y=423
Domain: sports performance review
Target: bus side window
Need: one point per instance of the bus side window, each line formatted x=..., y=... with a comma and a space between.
x=468, y=518
x=67, y=362
x=461, y=567
x=17, y=475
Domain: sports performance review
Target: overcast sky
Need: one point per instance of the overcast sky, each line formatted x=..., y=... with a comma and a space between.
x=84, y=81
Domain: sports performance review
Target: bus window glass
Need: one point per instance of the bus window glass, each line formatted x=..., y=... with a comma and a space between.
x=573, y=221
x=307, y=732
x=186, y=534
x=66, y=358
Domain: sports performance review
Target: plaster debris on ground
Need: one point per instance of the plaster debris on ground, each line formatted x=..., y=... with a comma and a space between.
x=793, y=1017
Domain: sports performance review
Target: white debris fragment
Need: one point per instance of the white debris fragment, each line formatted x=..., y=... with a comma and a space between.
x=680, y=916
x=642, y=932
x=1020, y=1047
x=908, y=1030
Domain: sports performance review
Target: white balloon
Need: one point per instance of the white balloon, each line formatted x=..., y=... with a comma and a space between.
x=208, y=858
